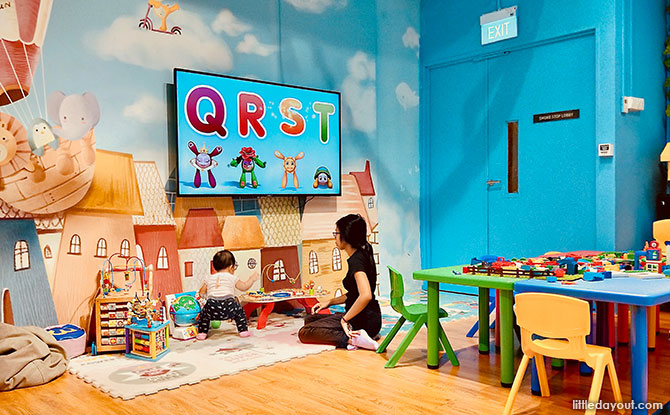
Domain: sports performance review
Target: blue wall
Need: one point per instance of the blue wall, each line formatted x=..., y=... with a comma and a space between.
x=629, y=45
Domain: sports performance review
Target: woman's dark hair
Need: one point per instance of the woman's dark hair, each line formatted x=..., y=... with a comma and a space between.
x=222, y=260
x=354, y=231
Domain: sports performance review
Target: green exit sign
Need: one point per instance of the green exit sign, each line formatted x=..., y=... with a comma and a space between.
x=499, y=25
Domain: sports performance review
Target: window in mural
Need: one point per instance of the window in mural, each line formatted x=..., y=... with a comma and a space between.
x=125, y=248
x=337, y=260
x=75, y=245
x=279, y=272
x=371, y=203
x=101, y=249
x=47, y=252
x=188, y=269
x=21, y=256
x=313, y=263
x=162, y=259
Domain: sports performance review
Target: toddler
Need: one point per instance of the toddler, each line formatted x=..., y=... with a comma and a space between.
x=220, y=289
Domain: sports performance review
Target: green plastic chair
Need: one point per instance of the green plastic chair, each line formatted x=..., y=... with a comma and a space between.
x=416, y=313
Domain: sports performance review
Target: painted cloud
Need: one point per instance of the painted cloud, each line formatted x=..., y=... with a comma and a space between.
x=226, y=22
x=196, y=47
x=406, y=96
x=316, y=6
x=251, y=45
x=358, y=92
x=147, y=110
x=410, y=38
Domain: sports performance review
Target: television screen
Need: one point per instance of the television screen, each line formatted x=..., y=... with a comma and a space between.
x=242, y=137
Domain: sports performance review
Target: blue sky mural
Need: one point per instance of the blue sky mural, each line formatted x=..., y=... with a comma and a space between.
x=366, y=50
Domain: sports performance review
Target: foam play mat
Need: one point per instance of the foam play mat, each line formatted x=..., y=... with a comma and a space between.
x=189, y=362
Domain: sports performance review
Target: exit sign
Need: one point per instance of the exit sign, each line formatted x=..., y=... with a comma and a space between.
x=499, y=25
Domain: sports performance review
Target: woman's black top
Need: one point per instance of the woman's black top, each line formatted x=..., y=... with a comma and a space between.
x=361, y=261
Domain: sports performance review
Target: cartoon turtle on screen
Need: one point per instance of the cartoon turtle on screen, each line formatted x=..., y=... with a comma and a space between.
x=322, y=178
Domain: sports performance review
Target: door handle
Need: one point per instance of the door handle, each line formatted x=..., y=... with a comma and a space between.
x=492, y=182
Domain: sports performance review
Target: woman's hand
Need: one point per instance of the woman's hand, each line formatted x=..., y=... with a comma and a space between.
x=347, y=329
x=321, y=305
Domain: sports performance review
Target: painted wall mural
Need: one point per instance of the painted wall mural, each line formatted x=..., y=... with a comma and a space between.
x=86, y=151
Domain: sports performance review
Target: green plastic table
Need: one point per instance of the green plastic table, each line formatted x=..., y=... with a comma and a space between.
x=505, y=285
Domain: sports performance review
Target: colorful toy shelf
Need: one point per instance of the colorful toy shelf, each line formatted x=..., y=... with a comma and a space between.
x=111, y=315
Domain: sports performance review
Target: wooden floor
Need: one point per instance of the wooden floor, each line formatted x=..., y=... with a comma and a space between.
x=353, y=383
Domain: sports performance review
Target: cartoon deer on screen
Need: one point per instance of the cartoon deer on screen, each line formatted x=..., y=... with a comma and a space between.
x=289, y=168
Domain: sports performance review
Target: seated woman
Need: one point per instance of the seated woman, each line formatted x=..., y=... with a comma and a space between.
x=362, y=318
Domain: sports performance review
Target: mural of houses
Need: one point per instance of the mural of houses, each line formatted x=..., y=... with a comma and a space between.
x=155, y=231
x=322, y=262
x=49, y=230
x=223, y=207
x=100, y=225
x=242, y=236
x=280, y=222
x=23, y=275
x=281, y=229
x=367, y=188
x=200, y=240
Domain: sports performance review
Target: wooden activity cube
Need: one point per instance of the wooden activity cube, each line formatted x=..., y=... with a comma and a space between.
x=147, y=343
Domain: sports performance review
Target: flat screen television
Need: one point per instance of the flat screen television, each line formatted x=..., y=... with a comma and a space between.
x=243, y=137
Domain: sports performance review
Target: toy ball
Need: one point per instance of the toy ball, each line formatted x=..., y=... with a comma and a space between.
x=185, y=310
x=215, y=324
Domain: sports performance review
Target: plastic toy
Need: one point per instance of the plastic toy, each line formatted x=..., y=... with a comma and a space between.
x=289, y=168
x=204, y=162
x=162, y=11
x=183, y=310
x=322, y=178
x=249, y=160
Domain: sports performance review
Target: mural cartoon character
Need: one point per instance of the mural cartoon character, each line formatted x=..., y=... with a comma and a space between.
x=41, y=135
x=204, y=162
x=249, y=161
x=7, y=145
x=289, y=168
x=73, y=117
x=322, y=178
x=14, y=148
x=162, y=11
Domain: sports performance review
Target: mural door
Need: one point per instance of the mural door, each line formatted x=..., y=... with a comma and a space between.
x=473, y=205
x=552, y=205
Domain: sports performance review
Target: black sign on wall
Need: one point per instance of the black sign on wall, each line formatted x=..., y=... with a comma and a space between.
x=555, y=116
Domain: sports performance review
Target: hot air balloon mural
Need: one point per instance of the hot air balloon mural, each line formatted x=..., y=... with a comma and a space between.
x=45, y=169
x=23, y=25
